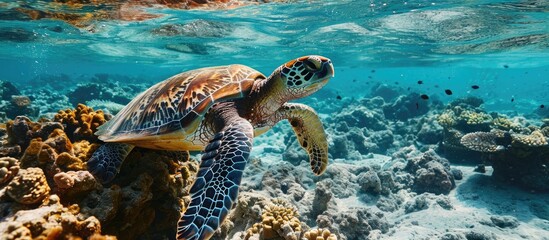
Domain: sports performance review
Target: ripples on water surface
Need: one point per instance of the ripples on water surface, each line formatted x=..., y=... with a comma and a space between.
x=498, y=44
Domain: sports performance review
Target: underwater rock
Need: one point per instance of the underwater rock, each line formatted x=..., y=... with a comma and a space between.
x=505, y=221
x=109, y=91
x=29, y=186
x=22, y=130
x=7, y=89
x=345, y=223
x=405, y=107
x=72, y=185
x=196, y=28
x=51, y=220
x=323, y=195
x=369, y=182
x=427, y=200
x=431, y=173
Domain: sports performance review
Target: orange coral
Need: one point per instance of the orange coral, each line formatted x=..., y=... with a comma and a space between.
x=81, y=123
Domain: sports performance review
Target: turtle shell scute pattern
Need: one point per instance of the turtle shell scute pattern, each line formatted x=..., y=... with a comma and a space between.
x=180, y=100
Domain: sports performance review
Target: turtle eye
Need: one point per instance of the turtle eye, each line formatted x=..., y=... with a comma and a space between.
x=312, y=65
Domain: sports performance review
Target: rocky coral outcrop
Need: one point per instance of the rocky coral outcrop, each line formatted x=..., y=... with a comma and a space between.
x=29, y=186
x=431, y=173
x=278, y=220
x=81, y=123
x=517, y=158
x=51, y=220
x=13, y=104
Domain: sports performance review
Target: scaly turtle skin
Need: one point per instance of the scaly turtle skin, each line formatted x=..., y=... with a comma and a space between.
x=218, y=110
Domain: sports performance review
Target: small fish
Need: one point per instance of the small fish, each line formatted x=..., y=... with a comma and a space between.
x=424, y=96
x=417, y=105
x=354, y=80
x=475, y=87
x=512, y=99
x=373, y=71
x=506, y=66
x=338, y=97
x=542, y=106
x=408, y=88
x=436, y=85
x=419, y=82
x=370, y=77
x=448, y=92
x=396, y=83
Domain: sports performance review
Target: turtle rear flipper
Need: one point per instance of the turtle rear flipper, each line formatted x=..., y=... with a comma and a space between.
x=216, y=186
x=106, y=160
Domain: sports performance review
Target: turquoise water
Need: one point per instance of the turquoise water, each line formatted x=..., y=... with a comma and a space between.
x=430, y=53
x=502, y=46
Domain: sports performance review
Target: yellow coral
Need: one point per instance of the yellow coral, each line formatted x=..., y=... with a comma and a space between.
x=67, y=162
x=535, y=139
x=474, y=118
x=279, y=220
x=84, y=149
x=29, y=186
x=505, y=124
x=82, y=122
x=319, y=234
x=59, y=141
x=38, y=154
x=9, y=167
x=51, y=221
x=447, y=119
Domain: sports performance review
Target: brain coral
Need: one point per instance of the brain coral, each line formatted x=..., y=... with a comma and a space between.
x=29, y=186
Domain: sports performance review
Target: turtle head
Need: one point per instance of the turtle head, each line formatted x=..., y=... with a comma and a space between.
x=305, y=75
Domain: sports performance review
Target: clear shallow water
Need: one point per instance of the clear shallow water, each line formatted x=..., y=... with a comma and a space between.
x=500, y=46
x=443, y=43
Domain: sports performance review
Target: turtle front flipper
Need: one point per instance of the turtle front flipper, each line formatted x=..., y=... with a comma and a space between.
x=216, y=186
x=105, y=162
x=310, y=133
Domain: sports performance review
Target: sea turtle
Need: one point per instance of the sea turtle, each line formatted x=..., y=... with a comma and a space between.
x=218, y=110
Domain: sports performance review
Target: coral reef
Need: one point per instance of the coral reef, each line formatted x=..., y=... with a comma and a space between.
x=29, y=186
x=318, y=234
x=279, y=220
x=9, y=167
x=50, y=221
x=431, y=173
x=81, y=123
x=13, y=104
x=112, y=92
x=518, y=158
